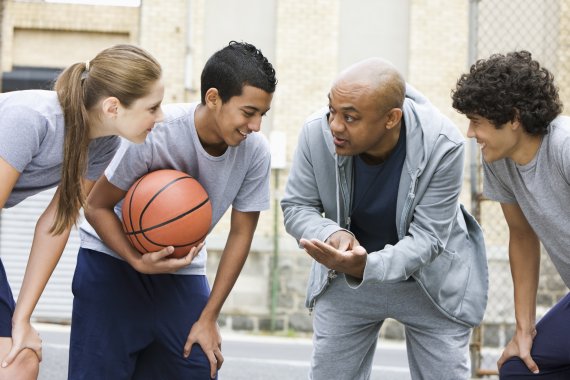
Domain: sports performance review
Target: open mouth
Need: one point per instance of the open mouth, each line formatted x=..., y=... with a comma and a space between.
x=338, y=141
x=244, y=134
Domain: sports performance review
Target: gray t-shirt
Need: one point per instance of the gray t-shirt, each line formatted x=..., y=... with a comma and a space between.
x=238, y=178
x=542, y=190
x=31, y=140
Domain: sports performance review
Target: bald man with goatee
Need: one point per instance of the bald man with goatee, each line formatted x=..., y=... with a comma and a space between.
x=373, y=198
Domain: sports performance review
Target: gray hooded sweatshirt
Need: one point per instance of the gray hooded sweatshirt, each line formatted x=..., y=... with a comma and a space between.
x=440, y=245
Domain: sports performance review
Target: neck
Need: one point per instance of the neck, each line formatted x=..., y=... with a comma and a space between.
x=526, y=149
x=96, y=127
x=207, y=133
x=385, y=148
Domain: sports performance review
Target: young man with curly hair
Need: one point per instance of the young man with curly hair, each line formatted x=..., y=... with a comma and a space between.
x=513, y=107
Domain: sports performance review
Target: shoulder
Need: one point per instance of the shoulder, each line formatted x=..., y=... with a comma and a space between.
x=316, y=120
x=177, y=111
x=316, y=130
x=559, y=132
x=499, y=171
x=175, y=127
x=106, y=143
x=257, y=145
x=424, y=121
x=30, y=113
x=38, y=102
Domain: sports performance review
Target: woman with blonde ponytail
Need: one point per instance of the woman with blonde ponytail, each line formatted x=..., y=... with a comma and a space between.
x=65, y=138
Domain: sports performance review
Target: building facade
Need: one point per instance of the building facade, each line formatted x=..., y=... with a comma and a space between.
x=308, y=42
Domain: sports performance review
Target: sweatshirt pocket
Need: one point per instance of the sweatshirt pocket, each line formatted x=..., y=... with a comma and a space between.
x=446, y=280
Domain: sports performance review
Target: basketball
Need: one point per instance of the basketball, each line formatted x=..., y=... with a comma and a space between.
x=166, y=208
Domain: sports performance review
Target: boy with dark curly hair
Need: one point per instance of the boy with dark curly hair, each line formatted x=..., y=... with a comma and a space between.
x=513, y=106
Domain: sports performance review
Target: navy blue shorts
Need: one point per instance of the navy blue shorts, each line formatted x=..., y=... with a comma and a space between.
x=7, y=304
x=128, y=325
x=550, y=349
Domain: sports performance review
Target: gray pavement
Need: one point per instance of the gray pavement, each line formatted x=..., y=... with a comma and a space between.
x=247, y=357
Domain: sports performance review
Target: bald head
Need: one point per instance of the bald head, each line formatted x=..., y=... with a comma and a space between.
x=375, y=77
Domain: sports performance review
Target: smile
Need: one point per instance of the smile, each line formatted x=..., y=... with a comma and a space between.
x=243, y=134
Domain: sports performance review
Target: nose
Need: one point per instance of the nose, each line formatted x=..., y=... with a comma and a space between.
x=470, y=131
x=335, y=124
x=159, y=115
x=255, y=124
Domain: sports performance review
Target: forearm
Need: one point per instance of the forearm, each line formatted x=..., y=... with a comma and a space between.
x=524, y=257
x=233, y=258
x=44, y=255
x=243, y=225
x=108, y=226
x=303, y=223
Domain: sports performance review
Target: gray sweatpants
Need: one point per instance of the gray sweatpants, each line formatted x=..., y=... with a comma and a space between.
x=347, y=322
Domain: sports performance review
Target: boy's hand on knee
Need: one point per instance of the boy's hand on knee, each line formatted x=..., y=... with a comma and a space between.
x=207, y=335
x=520, y=346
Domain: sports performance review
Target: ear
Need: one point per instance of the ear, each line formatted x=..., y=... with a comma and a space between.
x=516, y=122
x=213, y=98
x=394, y=118
x=110, y=107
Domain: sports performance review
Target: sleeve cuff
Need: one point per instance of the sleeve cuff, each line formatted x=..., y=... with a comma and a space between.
x=373, y=271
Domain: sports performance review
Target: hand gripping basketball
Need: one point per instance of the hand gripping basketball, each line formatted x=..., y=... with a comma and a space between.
x=166, y=208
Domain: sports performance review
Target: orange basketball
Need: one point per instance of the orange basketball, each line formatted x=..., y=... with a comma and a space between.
x=166, y=208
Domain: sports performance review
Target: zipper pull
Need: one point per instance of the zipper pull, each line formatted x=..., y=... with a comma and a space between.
x=331, y=275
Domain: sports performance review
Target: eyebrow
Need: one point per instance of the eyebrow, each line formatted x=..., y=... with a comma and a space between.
x=156, y=104
x=252, y=108
x=345, y=108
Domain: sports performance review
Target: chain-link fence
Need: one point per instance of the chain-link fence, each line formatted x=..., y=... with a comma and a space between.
x=500, y=26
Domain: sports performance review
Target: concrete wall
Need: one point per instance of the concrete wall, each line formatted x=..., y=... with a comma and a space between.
x=57, y=35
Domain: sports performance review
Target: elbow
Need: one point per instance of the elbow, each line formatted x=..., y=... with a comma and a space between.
x=89, y=211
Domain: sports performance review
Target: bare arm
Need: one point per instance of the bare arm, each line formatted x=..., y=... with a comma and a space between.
x=205, y=331
x=524, y=257
x=101, y=215
x=44, y=255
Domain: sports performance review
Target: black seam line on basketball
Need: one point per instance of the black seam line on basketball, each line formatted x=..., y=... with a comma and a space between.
x=131, y=208
x=176, y=246
x=157, y=194
x=170, y=220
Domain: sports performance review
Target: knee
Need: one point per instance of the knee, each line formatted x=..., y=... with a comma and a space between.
x=514, y=369
x=25, y=367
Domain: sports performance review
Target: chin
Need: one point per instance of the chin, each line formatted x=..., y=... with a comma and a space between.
x=235, y=142
x=489, y=159
x=138, y=139
x=344, y=152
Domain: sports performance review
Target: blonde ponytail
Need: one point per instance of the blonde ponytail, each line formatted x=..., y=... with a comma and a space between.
x=126, y=72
